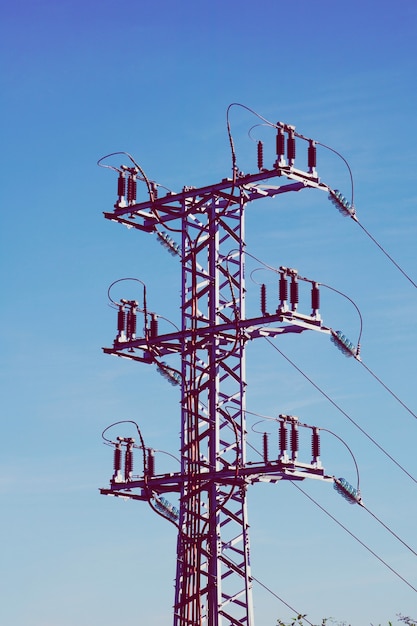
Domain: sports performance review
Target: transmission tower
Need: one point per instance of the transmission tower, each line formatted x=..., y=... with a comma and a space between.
x=205, y=228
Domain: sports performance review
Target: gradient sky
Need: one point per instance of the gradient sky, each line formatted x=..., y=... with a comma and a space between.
x=82, y=79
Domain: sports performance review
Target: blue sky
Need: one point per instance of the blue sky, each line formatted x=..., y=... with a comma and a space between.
x=82, y=79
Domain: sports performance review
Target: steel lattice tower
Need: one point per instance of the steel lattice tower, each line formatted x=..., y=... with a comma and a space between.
x=213, y=577
x=213, y=552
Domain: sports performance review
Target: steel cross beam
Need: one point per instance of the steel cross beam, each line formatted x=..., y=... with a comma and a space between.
x=213, y=578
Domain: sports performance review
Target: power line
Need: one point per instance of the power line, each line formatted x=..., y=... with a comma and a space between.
x=386, y=253
x=355, y=537
x=387, y=528
x=342, y=411
x=387, y=388
x=280, y=599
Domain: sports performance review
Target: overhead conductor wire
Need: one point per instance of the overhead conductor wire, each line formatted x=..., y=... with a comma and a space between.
x=387, y=389
x=387, y=255
x=354, y=537
x=341, y=410
x=303, y=617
